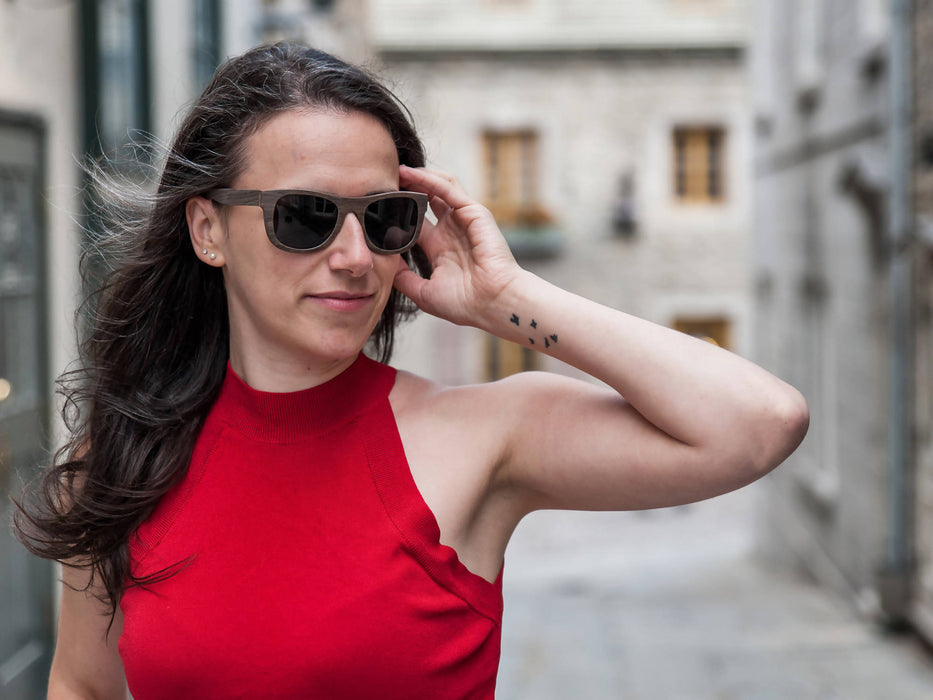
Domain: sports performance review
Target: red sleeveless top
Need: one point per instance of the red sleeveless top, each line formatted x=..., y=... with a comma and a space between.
x=313, y=565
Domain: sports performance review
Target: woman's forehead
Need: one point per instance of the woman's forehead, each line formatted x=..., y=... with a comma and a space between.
x=319, y=145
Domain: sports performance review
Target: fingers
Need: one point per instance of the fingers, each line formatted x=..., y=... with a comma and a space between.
x=426, y=240
x=436, y=184
x=456, y=211
x=409, y=283
x=439, y=207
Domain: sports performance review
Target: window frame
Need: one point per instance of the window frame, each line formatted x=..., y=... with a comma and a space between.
x=706, y=165
x=521, y=204
x=92, y=69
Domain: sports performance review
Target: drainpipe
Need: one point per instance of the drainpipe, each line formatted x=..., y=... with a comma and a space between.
x=899, y=560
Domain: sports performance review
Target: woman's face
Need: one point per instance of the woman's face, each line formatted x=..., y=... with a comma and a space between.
x=307, y=310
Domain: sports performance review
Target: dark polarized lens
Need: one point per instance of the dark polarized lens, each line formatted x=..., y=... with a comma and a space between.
x=303, y=221
x=391, y=223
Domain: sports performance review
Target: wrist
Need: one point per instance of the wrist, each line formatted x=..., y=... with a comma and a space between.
x=517, y=312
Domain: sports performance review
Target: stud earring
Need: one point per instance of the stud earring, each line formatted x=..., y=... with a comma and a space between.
x=212, y=256
x=204, y=252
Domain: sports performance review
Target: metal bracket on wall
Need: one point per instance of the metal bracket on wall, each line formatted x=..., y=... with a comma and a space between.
x=869, y=188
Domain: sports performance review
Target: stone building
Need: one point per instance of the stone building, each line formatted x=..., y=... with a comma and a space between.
x=610, y=139
x=842, y=192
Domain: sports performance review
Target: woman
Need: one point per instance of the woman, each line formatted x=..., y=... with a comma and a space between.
x=248, y=507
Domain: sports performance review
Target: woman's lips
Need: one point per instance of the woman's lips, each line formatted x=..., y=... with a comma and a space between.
x=343, y=301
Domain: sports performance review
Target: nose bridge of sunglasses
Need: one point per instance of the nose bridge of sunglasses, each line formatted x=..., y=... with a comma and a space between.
x=350, y=226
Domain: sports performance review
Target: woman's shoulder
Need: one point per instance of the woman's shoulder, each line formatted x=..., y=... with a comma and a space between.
x=415, y=394
x=431, y=411
x=487, y=404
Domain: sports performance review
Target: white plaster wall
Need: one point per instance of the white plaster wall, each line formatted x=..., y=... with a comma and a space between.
x=826, y=507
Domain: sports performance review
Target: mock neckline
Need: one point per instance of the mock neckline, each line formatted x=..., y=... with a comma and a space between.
x=292, y=416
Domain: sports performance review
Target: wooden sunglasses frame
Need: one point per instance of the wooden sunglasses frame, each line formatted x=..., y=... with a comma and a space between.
x=267, y=200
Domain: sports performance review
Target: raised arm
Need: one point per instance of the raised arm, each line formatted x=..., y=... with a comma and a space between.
x=684, y=420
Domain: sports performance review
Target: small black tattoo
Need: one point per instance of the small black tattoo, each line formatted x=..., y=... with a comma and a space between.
x=531, y=340
x=514, y=319
x=547, y=343
x=534, y=324
x=554, y=337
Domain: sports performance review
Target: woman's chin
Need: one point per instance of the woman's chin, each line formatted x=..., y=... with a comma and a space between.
x=339, y=347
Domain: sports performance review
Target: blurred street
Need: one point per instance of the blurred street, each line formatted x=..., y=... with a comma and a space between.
x=673, y=605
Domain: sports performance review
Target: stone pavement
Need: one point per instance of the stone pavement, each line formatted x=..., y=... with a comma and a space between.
x=673, y=605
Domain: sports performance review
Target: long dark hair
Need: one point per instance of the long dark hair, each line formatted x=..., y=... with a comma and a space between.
x=156, y=347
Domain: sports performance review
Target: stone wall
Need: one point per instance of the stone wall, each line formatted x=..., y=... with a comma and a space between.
x=821, y=298
x=599, y=117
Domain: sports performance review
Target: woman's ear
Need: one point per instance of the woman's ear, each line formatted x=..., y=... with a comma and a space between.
x=204, y=227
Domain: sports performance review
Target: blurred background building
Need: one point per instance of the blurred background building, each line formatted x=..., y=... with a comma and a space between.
x=611, y=141
x=621, y=145
x=843, y=201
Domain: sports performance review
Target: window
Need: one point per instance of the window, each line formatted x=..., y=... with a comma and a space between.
x=116, y=112
x=699, y=164
x=714, y=329
x=504, y=358
x=511, y=175
x=116, y=74
x=206, y=49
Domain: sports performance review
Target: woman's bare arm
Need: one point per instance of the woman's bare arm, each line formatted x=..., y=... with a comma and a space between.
x=684, y=420
x=87, y=663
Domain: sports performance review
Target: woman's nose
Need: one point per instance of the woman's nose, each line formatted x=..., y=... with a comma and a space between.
x=349, y=251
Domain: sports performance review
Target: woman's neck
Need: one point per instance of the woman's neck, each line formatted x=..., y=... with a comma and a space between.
x=286, y=374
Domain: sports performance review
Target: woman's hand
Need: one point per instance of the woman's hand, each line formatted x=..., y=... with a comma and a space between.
x=471, y=260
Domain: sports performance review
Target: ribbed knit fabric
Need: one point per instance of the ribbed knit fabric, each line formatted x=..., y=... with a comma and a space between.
x=313, y=565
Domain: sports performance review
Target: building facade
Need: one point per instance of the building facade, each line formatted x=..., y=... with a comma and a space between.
x=610, y=140
x=842, y=291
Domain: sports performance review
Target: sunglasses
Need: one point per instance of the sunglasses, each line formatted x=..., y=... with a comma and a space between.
x=301, y=221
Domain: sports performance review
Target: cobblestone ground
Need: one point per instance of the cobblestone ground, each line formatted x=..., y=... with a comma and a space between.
x=673, y=605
